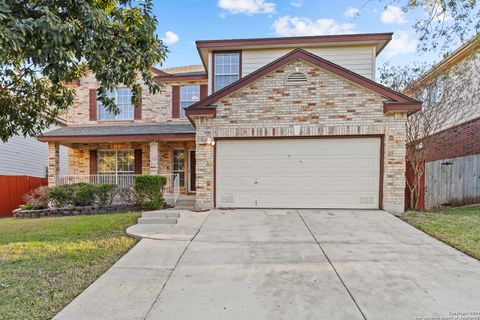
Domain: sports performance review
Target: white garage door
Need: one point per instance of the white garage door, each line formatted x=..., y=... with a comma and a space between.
x=298, y=173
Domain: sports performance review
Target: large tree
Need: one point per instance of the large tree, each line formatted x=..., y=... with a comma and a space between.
x=449, y=98
x=47, y=43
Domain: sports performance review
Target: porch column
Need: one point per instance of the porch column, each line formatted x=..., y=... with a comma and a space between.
x=53, y=163
x=154, y=157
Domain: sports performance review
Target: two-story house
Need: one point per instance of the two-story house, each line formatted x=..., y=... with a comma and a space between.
x=294, y=122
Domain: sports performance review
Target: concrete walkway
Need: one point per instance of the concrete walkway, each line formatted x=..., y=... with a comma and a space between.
x=284, y=264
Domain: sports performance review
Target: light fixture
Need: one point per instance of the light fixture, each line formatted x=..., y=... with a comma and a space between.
x=210, y=141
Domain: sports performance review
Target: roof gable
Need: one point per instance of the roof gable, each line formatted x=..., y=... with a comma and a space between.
x=401, y=101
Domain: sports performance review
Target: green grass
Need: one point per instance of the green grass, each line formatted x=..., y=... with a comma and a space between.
x=458, y=227
x=45, y=263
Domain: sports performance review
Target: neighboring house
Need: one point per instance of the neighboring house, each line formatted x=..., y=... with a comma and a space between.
x=23, y=167
x=271, y=123
x=452, y=156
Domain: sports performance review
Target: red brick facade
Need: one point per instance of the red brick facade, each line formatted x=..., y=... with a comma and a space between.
x=458, y=141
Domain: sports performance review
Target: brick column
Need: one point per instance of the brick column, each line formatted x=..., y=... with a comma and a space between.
x=154, y=157
x=53, y=163
x=204, y=166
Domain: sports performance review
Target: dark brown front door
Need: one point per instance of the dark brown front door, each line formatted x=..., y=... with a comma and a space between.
x=193, y=174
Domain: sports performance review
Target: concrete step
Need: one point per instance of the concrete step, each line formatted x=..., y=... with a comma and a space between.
x=157, y=220
x=160, y=214
x=185, y=202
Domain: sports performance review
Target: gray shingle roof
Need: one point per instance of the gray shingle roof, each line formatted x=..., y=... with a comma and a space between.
x=119, y=130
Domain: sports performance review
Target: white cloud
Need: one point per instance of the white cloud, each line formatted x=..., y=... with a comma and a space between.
x=170, y=38
x=393, y=14
x=247, y=6
x=299, y=26
x=296, y=3
x=352, y=12
x=400, y=44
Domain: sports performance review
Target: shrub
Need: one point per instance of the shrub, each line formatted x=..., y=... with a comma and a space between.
x=61, y=196
x=36, y=199
x=77, y=194
x=83, y=194
x=105, y=194
x=148, y=190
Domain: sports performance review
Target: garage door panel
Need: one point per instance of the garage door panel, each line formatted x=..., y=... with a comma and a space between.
x=302, y=173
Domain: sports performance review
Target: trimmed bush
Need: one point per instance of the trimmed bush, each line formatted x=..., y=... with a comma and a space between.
x=61, y=196
x=81, y=194
x=36, y=199
x=84, y=194
x=148, y=189
x=105, y=194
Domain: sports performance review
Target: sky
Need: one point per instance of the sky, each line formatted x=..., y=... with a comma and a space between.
x=182, y=22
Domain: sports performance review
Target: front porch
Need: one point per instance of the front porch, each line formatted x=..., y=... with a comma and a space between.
x=118, y=159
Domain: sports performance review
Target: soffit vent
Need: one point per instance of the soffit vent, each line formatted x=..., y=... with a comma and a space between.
x=296, y=77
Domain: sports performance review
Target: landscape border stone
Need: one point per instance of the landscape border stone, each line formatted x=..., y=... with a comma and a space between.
x=73, y=211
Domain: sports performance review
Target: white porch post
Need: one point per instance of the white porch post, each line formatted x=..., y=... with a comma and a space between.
x=154, y=157
x=53, y=163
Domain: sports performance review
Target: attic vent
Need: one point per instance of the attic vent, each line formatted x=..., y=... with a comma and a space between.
x=296, y=77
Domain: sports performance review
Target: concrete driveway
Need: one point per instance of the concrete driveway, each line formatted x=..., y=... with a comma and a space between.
x=286, y=264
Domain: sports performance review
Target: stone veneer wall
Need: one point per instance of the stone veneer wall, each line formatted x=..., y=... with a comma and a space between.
x=325, y=105
x=155, y=108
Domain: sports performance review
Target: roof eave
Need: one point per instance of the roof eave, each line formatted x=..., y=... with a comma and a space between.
x=390, y=107
x=210, y=45
x=173, y=78
x=311, y=58
x=116, y=138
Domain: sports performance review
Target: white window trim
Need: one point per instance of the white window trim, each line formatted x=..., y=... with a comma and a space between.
x=173, y=164
x=215, y=74
x=182, y=112
x=99, y=105
x=116, y=161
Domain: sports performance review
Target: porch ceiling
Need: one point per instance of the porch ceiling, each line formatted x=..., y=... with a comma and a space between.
x=121, y=133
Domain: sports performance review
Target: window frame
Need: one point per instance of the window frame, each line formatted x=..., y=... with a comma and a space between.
x=115, y=151
x=182, y=110
x=214, y=53
x=116, y=117
x=179, y=172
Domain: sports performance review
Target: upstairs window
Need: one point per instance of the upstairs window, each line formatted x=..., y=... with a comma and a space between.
x=188, y=96
x=226, y=68
x=123, y=99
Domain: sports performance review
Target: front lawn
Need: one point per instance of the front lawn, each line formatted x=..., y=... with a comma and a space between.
x=459, y=227
x=45, y=263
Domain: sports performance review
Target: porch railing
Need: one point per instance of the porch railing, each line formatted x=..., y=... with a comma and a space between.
x=121, y=180
x=171, y=191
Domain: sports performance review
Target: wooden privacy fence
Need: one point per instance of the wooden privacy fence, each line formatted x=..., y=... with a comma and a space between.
x=452, y=181
x=12, y=188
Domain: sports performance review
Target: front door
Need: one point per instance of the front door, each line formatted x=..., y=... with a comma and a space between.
x=192, y=172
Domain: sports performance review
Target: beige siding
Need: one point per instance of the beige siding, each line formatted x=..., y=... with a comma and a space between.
x=360, y=59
